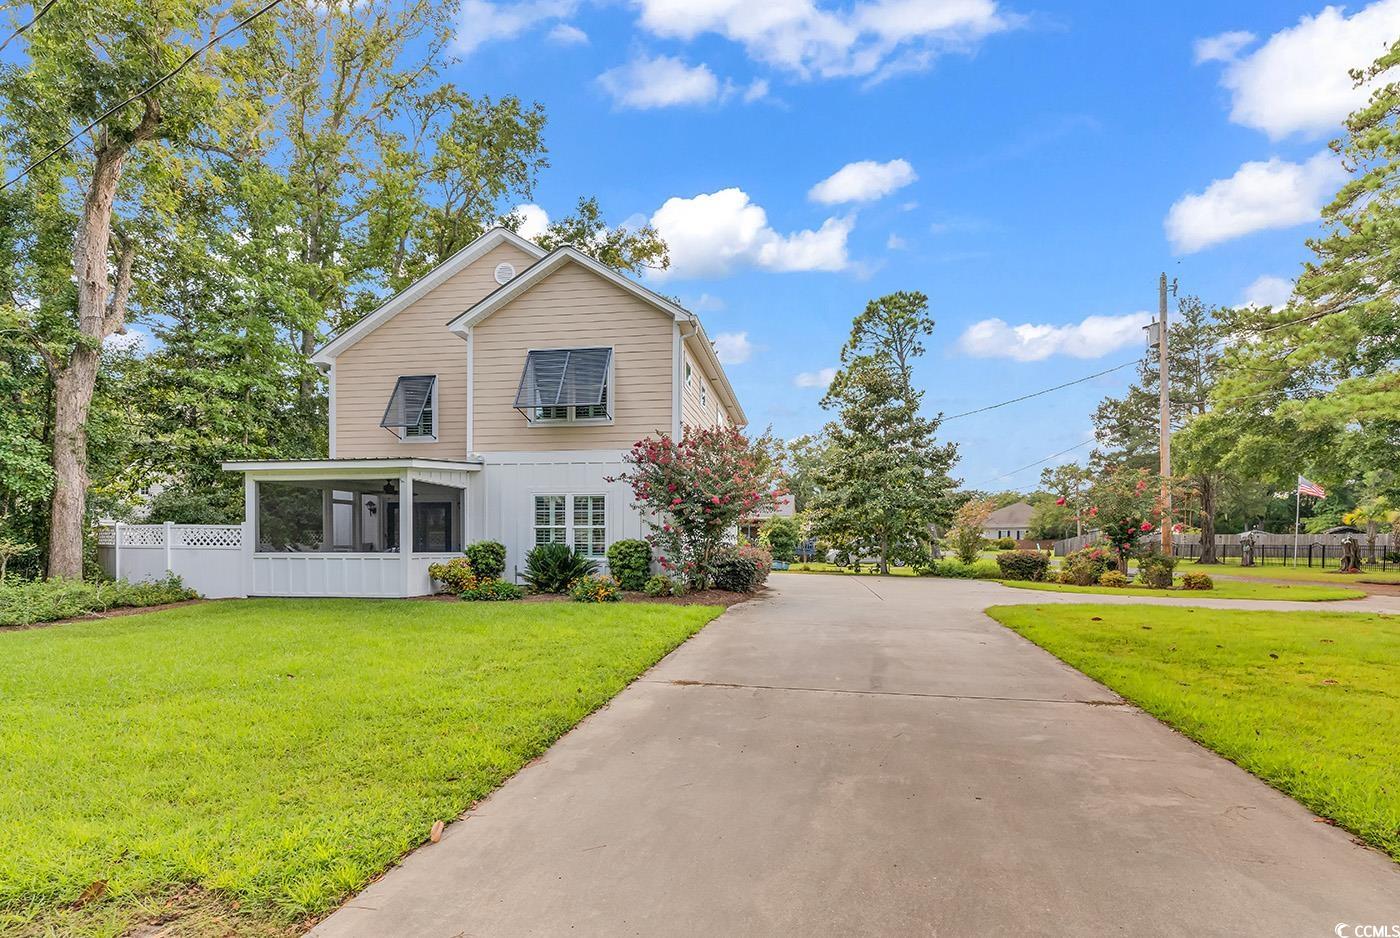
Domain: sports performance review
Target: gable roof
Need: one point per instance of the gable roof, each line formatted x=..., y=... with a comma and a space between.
x=696, y=338
x=491, y=239
x=1012, y=516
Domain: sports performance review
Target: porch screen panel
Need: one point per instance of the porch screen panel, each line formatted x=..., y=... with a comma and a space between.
x=575, y=377
x=411, y=395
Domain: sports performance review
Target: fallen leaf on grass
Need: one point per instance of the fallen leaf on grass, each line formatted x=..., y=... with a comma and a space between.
x=95, y=890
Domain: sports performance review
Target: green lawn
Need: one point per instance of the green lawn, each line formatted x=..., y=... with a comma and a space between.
x=1308, y=701
x=278, y=754
x=868, y=569
x=1224, y=589
x=1307, y=574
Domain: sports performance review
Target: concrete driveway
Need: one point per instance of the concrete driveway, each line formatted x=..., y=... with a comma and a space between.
x=852, y=756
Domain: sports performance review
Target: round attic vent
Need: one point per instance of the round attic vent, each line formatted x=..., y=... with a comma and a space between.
x=504, y=273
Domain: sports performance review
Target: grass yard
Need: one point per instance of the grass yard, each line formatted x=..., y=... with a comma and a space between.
x=1224, y=589
x=272, y=756
x=867, y=569
x=1307, y=701
x=1305, y=574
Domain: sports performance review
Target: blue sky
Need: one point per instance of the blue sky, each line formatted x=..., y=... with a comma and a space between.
x=1054, y=160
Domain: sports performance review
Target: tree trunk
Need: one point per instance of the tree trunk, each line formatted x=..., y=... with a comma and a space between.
x=1207, y=521
x=884, y=555
x=99, y=315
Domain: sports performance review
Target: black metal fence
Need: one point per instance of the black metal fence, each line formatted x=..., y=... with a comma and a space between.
x=1309, y=555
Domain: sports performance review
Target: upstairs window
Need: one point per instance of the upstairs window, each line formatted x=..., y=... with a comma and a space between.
x=566, y=385
x=412, y=408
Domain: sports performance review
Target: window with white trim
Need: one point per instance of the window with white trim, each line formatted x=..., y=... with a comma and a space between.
x=426, y=428
x=704, y=394
x=580, y=521
x=566, y=385
x=687, y=374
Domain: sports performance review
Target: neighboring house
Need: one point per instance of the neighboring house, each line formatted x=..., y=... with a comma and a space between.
x=1013, y=521
x=785, y=507
x=497, y=396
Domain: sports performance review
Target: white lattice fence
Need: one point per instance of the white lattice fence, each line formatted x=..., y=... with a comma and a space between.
x=207, y=557
x=141, y=535
x=212, y=536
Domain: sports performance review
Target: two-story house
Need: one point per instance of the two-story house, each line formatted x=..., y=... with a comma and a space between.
x=496, y=397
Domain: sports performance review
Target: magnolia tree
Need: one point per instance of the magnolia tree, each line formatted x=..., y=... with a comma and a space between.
x=1126, y=505
x=695, y=492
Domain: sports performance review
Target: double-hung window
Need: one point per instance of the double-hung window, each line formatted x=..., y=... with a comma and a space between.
x=566, y=385
x=412, y=409
x=581, y=521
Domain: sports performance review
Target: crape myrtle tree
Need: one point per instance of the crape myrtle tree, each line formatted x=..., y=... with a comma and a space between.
x=884, y=475
x=1126, y=503
x=694, y=492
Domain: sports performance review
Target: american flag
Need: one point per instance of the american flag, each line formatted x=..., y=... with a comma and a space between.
x=1310, y=488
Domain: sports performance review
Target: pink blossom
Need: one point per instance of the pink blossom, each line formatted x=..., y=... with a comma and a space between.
x=1060, y=500
x=1147, y=526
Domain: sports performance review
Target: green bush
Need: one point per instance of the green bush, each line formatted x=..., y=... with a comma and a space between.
x=1004, y=543
x=658, y=584
x=487, y=559
x=1023, y=564
x=780, y=536
x=1114, y=578
x=599, y=588
x=1084, y=566
x=456, y=574
x=1197, y=581
x=630, y=562
x=24, y=602
x=735, y=574
x=980, y=569
x=491, y=591
x=194, y=506
x=552, y=568
x=761, y=559
x=1155, y=570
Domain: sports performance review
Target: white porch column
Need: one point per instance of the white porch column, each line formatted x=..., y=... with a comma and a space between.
x=250, y=532
x=405, y=531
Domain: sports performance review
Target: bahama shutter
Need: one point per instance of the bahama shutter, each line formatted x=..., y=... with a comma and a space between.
x=576, y=377
x=411, y=395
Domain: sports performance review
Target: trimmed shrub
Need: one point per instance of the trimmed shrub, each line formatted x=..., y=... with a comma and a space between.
x=487, y=559
x=980, y=569
x=24, y=602
x=455, y=575
x=552, y=568
x=1084, y=566
x=1197, y=581
x=1004, y=543
x=761, y=559
x=658, y=584
x=630, y=562
x=1114, y=578
x=1023, y=564
x=491, y=591
x=1155, y=570
x=780, y=536
x=736, y=574
x=599, y=588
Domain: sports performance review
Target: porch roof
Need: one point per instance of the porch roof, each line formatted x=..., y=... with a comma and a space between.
x=333, y=466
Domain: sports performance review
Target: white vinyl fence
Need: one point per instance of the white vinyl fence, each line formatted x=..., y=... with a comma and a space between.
x=207, y=557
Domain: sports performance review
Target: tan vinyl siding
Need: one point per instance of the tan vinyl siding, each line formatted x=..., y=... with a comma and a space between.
x=414, y=342
x=692, y=413
x=573, y=308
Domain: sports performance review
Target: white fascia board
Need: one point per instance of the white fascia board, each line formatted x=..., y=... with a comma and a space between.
x=537, y=271
x=350, y=465
x=415, y=291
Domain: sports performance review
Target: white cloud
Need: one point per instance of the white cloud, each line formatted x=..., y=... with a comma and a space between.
x=1268, y=291
x=1093, y=337
x=533, y=221
x=1259, y=196
x=874, y=38
x=1298, y=81
x=895, y=243
x=733, y=348
x=756, y=91
x=660, y=82
x=863, y=181
x=566, y=34
x=821, y=378
x=714, y=233
x=480, y=21
x=1221, y=48
x=706, y=303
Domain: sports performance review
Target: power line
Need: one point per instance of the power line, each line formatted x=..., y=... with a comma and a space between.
x=1026, y=397
x=16, y=34
x=142, y=93
x=1037, y=462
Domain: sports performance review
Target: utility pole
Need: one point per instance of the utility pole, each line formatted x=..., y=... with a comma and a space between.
x=1165, y=416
